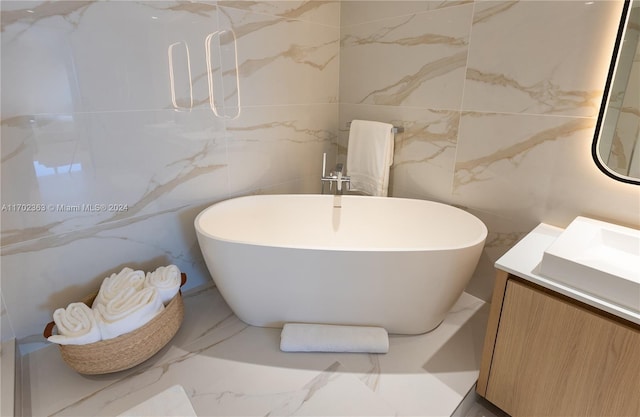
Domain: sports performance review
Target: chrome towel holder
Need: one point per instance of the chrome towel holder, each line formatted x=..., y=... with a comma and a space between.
x=396, y=129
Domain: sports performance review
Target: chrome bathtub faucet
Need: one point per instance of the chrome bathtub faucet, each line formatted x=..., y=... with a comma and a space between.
x=334, y=177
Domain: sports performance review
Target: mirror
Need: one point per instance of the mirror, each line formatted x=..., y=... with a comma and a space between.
x=616, y=144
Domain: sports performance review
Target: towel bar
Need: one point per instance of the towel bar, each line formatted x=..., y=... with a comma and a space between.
x=396, y=129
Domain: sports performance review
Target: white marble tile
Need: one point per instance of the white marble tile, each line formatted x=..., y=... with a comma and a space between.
x=282, y=61
x=344, y=395
x=505, y=162
x=540, y=57
x=229, y=368
x=576, y=180
x=435, y=371
x=315, y=11
x=419, y=59
x=526, y=168
x=424, y=160
x=361, y=11
x=65, y=56
x=133, y=164
x=171, y=402
x=52, y=272
x=276, y=144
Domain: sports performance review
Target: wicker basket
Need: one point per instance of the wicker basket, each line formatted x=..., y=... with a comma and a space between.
x=129, y=349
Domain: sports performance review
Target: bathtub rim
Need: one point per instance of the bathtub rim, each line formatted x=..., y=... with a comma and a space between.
x=480, y=240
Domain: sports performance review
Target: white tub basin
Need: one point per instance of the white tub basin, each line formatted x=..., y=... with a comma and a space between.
x=599, y=258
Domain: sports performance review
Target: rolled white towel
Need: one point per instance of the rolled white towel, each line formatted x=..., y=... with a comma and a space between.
x=76, y=325
x=299, y=337
x=167, y=280
x=114, y=284
x=127, y=311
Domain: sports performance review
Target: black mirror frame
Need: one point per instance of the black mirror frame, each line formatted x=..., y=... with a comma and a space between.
x=605, y=99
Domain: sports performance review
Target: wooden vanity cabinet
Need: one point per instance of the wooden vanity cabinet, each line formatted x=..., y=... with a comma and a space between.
x=546, y=354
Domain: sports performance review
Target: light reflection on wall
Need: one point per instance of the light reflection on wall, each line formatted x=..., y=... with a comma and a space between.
x=45, y=171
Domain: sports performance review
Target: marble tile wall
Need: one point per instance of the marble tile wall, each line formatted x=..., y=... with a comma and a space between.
x=499, y=101
x=102, y=166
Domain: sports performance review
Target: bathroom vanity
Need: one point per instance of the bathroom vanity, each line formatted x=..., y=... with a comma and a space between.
x=551, y=349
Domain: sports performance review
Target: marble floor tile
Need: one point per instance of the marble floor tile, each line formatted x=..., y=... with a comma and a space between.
x=228, y=368
x=169, y=403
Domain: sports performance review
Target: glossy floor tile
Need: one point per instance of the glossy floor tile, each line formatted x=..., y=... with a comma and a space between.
x=228, y=368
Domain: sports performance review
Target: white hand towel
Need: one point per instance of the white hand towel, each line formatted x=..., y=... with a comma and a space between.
x=167, y=280
x=369, y=156
x=76, y=325
x=113, y=285
x=127, y=311
x=299, y=337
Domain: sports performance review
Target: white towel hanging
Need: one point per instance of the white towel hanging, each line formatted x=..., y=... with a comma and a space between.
x=369, y=156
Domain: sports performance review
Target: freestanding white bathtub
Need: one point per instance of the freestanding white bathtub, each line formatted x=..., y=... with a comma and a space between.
x=396, y=263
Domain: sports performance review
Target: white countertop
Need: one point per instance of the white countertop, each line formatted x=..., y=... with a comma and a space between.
x=523, y=260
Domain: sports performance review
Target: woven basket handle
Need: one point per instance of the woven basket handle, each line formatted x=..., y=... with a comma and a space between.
x=48, y=330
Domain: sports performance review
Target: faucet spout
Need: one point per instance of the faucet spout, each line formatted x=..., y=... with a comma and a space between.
x=334, y=177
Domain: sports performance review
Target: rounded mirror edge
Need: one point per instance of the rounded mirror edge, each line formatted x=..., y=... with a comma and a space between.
x=605, y=169
x=626, y=8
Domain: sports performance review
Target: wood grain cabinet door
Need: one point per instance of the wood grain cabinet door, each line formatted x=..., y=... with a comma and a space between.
x=554, y=358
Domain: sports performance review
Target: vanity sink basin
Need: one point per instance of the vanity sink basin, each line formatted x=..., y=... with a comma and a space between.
x=598, y=258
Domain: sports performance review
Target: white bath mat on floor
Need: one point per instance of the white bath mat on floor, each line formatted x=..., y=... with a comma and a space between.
x=307, y=337
x=172, y=402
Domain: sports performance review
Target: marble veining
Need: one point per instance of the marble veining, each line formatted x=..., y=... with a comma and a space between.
x=171, y=402
x=431, y=47
x=536, y=70
x=396, y=93
x=385, y=36
x=317, y=11
x=551, y=98
x=502, y=240
x=70, y=11
x=229, y=368
x=495, y=9
x=299, y=134
x=475, y=169
x=263, y=66
x=204, y=9
x=299, y=54
x=438, y=134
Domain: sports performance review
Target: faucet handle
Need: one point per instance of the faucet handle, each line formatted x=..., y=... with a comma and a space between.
x=324, y=163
